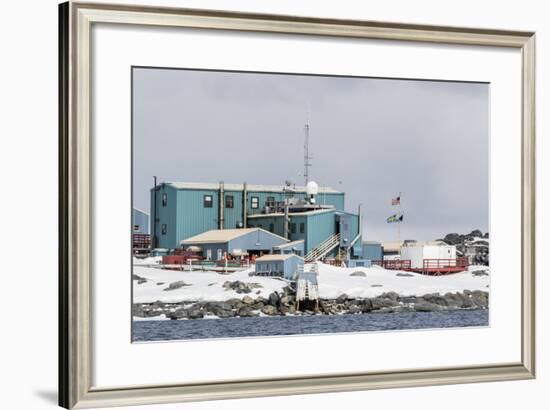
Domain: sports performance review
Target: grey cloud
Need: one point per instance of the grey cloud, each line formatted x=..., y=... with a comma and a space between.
x=371, y=138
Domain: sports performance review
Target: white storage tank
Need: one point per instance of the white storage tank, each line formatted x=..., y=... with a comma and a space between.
x=417, y=252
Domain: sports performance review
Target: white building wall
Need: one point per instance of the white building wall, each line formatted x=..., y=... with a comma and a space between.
x=417, y=254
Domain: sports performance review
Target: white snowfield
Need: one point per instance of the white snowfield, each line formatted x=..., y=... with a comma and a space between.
x=333, y=282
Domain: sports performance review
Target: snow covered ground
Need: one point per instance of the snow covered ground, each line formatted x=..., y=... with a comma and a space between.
x=333, y=282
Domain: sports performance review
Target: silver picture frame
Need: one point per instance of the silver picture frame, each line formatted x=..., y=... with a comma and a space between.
x=75, y=331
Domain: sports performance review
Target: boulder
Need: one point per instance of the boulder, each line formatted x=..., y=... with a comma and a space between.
x=366, y=306
x=342, y=298
x=274, y=299
x=269, y=310
x=436, y=298
x=247, y=300
x=390, y=295
x=246, y=311
x=353, y=309
x=358, y=273
x=177, y=314
x=426, y=307
x=176, y=285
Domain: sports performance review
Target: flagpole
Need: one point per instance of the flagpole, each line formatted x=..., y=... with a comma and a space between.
x=399, y=224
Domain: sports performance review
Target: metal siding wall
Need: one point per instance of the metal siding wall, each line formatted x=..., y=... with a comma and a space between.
x=297, y=235
x=214, y=248
x=372, y=252
x=193, y=217
x=255, y=241
x=232, y=216
x=165, y=215
x=262, y=198
x=263, y=223
x=335, y=199
x=318, y=228
x=141, y=219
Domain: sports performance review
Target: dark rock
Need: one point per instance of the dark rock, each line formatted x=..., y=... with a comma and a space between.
x=480, y=273
x=177, y=314
x=241, y=287
x=393, y=296
x=342, y=298
x=247, y=300
x=160, y=283
x=436, y=298
x=426, y=307
x=137, y=310
x=358, y=273
x=353, y=309
x=269, y=310
x=366, y=306
x=176, y=285
x=274, y=299
x=404, y=274
x=195, y=313
x=379, y=303
x=257, y=305
x=246, y=311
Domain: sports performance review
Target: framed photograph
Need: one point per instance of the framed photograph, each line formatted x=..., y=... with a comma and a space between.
x=256, y=205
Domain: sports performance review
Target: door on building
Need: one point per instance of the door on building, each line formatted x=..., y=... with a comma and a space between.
x=219, y=255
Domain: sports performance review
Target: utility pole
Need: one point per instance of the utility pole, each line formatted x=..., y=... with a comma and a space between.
x=155, y=240
x=307, y=157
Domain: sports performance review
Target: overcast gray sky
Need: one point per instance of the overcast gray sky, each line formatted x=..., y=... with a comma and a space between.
x=370, y=138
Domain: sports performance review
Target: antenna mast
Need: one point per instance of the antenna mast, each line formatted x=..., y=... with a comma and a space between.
x=307, y=157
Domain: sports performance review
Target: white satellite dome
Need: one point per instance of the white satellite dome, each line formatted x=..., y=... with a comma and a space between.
x=312, y=188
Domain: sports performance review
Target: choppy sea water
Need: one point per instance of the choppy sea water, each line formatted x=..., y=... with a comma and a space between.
x=163, y=330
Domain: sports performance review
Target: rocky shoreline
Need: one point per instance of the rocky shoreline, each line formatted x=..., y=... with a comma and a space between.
x=284, y=303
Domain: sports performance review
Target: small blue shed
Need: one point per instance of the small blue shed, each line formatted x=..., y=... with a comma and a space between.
x=372, y=251
x=285, y=265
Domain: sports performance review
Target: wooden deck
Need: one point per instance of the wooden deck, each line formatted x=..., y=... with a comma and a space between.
x=430, y=266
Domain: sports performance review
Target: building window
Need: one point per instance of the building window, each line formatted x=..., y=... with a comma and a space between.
x=164, y=199
x=293, y=227
x=254, y=202
x=271, y=227
x=229, y=201
x=302, y=227
x=270, y=201
x=136, y=228
x=163, y=229
x=209, y=254
x=207, y=201
x=219, y=255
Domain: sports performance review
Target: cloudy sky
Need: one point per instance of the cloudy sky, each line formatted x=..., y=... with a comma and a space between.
x=371, y=138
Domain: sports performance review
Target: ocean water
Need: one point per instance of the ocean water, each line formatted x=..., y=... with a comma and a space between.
x=162, y=330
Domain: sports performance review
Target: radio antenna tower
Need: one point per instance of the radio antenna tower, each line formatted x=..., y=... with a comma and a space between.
x=307, y=157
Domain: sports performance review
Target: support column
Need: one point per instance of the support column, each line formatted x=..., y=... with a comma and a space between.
x=221, y=199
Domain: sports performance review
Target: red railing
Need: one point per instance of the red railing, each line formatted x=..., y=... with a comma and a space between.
x=445, y=265
x=394, y=264
x=141, y=241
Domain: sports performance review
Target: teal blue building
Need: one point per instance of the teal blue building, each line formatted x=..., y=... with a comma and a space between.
x=180, y=210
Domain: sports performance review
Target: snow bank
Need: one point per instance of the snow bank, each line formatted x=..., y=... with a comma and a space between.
x=333, y=282
x=204, y=286
x=151, y=260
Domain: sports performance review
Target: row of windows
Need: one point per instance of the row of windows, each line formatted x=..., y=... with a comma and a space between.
x=302, y=227
x=229, y=201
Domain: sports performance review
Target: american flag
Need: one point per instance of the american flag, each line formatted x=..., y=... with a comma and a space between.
x=396, y=201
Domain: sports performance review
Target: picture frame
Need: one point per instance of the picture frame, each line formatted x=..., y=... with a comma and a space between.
x=76, y=222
